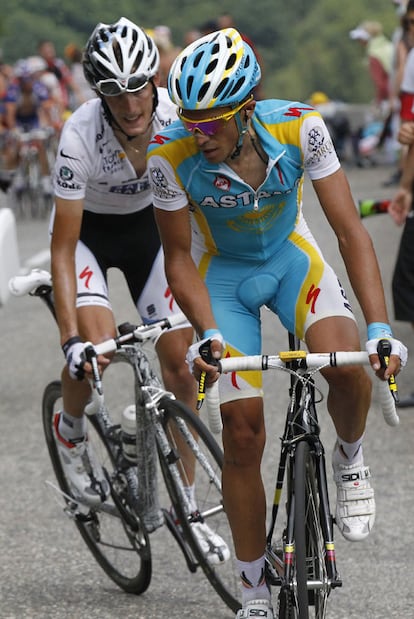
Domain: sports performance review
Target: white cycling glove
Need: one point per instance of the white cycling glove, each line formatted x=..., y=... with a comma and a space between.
x=380, y=331
x=73, y=350
x=194, y=350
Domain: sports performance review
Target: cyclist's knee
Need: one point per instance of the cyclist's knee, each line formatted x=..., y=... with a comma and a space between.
x=243, y=431
x=348, y=379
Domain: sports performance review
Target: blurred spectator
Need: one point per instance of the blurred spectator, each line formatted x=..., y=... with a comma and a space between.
x=168, y=51
x=26, y=109
x=83, y=92
x=379, y=53
x=190, y=36
x=403, y=41
x=58, y=67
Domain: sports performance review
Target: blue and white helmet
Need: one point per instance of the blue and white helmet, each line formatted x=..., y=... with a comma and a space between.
x=219, y=69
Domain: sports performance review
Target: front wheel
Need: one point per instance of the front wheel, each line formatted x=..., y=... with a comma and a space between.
x=114, y=532
x=313, y=586
x=187, y=437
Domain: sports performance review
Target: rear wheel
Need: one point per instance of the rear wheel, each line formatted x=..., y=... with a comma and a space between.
x=183, y=427
x=113, y=533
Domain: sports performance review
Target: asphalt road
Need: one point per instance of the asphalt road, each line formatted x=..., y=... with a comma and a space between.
x=46, y=570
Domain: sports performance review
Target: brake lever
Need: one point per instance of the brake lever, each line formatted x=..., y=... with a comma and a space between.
x=91, y=357
x=384, y=351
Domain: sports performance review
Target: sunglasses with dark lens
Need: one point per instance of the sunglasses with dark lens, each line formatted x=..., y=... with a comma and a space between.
x=210, y=126
x=112, y=87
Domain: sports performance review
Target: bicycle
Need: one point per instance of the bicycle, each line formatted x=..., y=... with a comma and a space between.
x=118, y=531
x=27, y=193
x=302, y=561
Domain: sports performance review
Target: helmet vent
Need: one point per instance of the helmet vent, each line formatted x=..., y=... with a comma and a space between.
x=221, y=87
x=197, y=59
x=211, y=66
x=204, y=88
x=189, y=85
x=231, y=61
x=236, y=87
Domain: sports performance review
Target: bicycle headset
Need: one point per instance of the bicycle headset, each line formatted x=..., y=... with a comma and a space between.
x=118, y=58
x=219, y=69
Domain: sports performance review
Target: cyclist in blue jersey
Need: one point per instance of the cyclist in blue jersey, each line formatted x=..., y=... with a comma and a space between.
x=227, y=182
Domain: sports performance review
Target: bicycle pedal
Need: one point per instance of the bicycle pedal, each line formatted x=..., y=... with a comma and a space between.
x=71, y=506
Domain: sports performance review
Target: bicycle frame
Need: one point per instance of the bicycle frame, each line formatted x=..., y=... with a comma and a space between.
x=164, y=427
x=301, y=425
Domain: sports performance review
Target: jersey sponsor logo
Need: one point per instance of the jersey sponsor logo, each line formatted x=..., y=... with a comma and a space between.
x=112, y=161
x=168, y=295
x=319, y=146
x=66, y=156
x=221, y=182
x=257, y=221
x=130, y=188
x=345, y=298
x=65, y=177
x=86, y=275
x=160, y=185
x=246, y=198
x=312, y=296
x=159, y=139
x=295, y=111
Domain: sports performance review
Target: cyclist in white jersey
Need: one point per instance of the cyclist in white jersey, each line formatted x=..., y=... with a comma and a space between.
x=104, y=218
x=227, y=181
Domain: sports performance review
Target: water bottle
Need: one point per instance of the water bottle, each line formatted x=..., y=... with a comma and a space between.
x=129, y=433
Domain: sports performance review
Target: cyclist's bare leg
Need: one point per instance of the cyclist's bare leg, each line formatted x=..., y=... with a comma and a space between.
x=243, y=491
x=95, y=324
x=171, y=349
x=349, y=387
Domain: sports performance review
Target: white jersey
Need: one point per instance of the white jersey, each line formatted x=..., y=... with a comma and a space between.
x=92, y=165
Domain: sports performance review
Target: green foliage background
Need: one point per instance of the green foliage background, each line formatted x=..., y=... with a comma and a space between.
x=304, y=43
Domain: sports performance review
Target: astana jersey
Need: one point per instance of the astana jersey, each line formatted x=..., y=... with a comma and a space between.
x=253, y=246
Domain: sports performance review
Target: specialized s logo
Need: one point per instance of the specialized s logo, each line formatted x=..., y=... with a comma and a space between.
x=220, y=182
x=312, y=297
x=86, y=275
x=295, y=112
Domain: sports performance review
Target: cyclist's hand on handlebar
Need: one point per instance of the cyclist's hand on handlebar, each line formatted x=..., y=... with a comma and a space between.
x=201, y=356
x=73, y=349
x=397, y=353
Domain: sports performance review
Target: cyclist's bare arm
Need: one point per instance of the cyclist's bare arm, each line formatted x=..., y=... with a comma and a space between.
x=357, y=252
x=65, y=235
x=185, y=282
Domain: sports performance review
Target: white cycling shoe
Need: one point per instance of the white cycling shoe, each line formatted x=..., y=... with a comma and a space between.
x=355, y=504
x=256, y=608
x=213, y=546
x=84, y=474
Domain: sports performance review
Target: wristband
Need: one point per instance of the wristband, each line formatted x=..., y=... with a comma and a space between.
x=72, y=340
x=208, y=333
x=378, y=330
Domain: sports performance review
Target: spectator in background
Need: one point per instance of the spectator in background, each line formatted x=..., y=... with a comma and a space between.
x=58, y=67
x=379, y=53
x=403, y=41
x=83, y=91
x=402, y=212
x=168, y=51
x=191, y=35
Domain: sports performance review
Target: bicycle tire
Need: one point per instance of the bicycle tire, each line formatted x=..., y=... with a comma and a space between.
x=223, y=577
x=309, y=540
x=119, y=543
